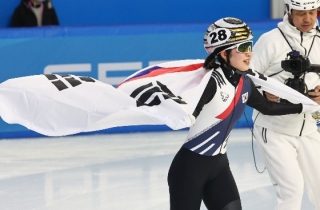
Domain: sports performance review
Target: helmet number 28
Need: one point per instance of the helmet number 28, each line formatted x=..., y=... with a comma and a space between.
x=219, y=36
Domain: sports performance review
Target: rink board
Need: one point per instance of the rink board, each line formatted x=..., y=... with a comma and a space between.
x=107, y=53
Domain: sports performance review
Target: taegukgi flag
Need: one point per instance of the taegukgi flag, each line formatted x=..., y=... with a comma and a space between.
x=57, y=105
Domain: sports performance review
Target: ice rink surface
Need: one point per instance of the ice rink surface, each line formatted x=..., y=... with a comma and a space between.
x=114, y=172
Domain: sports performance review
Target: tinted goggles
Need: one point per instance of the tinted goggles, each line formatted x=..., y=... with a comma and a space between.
x=243, y=47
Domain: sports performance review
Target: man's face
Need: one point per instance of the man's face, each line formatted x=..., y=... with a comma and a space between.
x=304, y=20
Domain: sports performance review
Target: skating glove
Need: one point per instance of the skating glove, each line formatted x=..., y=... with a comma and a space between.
x=307, y=108
x=192, y=119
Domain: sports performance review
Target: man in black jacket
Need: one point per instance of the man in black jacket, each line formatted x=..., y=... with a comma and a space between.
x=34, y=13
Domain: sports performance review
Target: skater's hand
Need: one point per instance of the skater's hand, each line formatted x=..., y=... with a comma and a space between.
x=271, y=97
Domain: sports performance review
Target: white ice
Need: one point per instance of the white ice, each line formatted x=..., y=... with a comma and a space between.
x=114, y=172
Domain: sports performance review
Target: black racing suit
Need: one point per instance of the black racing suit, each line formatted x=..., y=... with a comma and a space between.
x=200, y=170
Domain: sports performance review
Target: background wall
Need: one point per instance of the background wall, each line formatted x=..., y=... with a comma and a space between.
x=120, y=12
x=111, y=39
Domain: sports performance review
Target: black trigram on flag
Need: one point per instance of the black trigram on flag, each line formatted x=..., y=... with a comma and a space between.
x=72, y=80
x=149, y=94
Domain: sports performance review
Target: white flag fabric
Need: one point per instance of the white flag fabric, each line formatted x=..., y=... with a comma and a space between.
x=275, y=87
x=163, y=94
x=57, y=105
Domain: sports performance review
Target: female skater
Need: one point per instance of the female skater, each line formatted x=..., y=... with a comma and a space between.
x=200, y=170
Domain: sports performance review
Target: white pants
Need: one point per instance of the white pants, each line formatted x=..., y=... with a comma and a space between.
x=291, y=162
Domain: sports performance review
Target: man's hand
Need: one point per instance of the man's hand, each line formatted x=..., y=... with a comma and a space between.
x=315, y=94
x=273, y=98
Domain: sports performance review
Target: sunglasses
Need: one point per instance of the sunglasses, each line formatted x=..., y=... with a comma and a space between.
x=243, y=47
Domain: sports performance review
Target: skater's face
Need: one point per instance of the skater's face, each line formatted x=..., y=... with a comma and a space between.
x=240, y=55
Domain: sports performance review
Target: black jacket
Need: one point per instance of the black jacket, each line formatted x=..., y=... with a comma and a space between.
x=23, y=16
